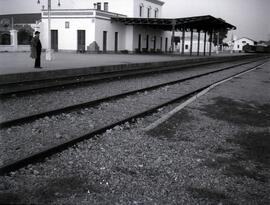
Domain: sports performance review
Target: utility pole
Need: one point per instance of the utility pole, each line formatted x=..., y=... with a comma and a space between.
x=49, y=50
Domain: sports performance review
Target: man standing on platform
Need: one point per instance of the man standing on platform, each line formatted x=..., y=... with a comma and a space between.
x=36, y=49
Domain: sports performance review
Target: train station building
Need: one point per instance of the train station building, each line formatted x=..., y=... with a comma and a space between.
x=134, y=26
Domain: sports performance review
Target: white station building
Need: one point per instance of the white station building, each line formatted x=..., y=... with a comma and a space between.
x=93, y=29
x=119, y=26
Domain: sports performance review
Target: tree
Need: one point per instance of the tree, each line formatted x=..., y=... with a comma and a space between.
x=219, y=36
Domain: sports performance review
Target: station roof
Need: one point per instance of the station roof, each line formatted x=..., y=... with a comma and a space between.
x=204, y=23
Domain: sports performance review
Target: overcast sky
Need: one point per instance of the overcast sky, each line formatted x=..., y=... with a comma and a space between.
x=251, y=17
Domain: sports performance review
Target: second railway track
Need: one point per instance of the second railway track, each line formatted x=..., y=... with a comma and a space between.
x=35, y=140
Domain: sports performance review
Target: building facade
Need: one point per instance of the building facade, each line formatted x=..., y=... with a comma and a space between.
x=92, y=29
x=109, y=26
x=238, y=44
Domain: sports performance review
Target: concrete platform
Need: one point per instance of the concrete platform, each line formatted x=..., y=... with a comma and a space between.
x=19, y=65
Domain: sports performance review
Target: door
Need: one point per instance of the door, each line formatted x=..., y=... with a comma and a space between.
x=140, y=43
x=147, y=42
x=104, y=41
x=54, y=40
x=166, y=45
x=161, y=43
x=81, y=40
x=116, y=42
x=155, y=41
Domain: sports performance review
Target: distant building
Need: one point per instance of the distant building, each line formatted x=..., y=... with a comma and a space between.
x=241, y=42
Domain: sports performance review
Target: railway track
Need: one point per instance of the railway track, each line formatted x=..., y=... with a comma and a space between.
x=25, y=86
x=25, y=118
x=147, y=100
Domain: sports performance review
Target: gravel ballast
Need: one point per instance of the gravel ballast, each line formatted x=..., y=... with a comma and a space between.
x=23, y=140
x=19, y=106
x=215, y=151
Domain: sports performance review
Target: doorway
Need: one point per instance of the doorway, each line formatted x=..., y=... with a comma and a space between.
x=116, y=42
x=147, y=42
x=140, y=43
x=104, y=41
x=81, y=40
x=54, y=40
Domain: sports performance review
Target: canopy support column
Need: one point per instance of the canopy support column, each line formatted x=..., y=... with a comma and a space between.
x=204, y=44
x=210, y=41
x=183, y=41
x=199, y=38
x=191, y=41
x=173, y=35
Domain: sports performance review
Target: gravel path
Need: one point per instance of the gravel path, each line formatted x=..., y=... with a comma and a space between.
x=16, y=107
x=20, y=141
x=215, y=151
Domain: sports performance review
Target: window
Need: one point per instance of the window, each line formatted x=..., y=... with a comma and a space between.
x=141, y=10
x=25, y=35
x=99, y=6
x=5, y=38
x=67, y=24
x=149, y=12
x=244, y=42
x=238, y=46
x=156, y=13
x=95, y=6
x=186, y=47
x=106, y=6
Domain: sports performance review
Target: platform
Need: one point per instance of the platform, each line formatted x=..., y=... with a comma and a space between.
x=18, y=65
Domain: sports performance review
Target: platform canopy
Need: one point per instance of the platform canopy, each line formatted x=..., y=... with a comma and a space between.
x=200, y=23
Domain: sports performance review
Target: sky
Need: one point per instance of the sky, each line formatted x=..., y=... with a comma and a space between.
x=251, y=17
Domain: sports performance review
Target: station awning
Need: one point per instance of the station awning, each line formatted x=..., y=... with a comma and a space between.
x=202, y=23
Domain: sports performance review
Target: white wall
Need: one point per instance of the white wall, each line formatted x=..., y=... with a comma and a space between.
x=146, y=4
x=129, y=7
x=144, y=31
x=67, y=37
x=238, y=44
x=195, y=47
x=111, y=28
x=94, y=27
x=128, y=36
x=126, y=7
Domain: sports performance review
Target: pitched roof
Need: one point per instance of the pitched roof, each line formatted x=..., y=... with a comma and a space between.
x=245, y=38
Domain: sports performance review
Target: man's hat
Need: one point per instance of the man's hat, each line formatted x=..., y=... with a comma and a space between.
x=37, y=32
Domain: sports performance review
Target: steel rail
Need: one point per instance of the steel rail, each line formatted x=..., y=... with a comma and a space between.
x=42, y=155
x=30, y=118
